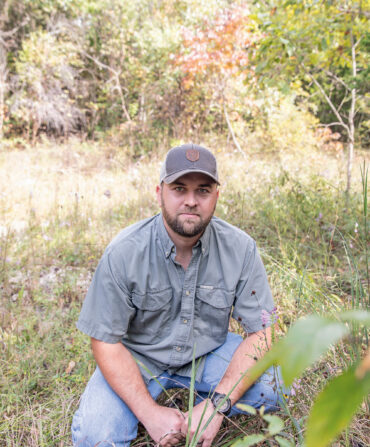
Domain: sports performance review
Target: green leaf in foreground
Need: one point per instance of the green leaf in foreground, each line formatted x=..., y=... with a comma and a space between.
x=275, y=426
x=358, y=316
x=247, y=408
x=249, y=440
x=307, y=340
x=335, y=406
x=283, y=442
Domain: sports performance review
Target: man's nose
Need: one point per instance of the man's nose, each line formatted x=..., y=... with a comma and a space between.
x=190, y=199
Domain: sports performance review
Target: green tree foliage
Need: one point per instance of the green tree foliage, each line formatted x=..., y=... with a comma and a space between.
x=124, y=79
x=144, y=70
x=321, y=48
x=127, y=51
x=212, y=58
x=46, y=84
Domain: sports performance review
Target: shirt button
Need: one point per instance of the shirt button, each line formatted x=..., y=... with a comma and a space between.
x=203, y=250
x=185, y=320
x=178, y=348
x=167, y=253
x=187, y=292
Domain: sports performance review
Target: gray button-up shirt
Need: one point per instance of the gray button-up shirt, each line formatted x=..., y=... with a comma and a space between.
x=142, y=297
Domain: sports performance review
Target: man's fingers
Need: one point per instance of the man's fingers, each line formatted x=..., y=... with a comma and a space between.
x=183, y=415
x=184, y=426
x=170, y=438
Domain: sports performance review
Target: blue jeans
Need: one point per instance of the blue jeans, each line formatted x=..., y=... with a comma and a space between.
x=104, y=419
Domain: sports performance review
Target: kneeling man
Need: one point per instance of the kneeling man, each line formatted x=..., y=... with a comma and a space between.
x=164, y=291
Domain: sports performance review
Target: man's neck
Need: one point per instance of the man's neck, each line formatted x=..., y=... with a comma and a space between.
x=184, y=245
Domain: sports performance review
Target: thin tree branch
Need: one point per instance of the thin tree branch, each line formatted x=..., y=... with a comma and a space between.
x=329, y=125
x=328, y=100
x=344, y=100
x=6, y=34
x=237, y=145
x=334, y=76
x=118, y=85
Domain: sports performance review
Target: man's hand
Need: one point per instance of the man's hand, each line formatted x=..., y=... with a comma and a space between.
x=164, y=425
x=213, y=427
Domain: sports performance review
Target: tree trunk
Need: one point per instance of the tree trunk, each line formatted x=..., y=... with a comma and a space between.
x=351, y=119
x=3, y=76
x=237, y=145
x=351, y=143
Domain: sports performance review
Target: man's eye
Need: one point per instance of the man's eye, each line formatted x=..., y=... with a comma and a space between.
x=203, y=191
x=179, y=188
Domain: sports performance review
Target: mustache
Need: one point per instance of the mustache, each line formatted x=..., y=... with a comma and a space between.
x=188, y=211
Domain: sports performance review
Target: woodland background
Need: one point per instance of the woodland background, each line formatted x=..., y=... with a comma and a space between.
x=92, y=95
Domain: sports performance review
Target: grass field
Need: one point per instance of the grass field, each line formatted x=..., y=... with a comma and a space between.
x=61, y=204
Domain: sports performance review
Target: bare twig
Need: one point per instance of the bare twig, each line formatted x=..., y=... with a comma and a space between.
x=329, y=125
x=118, y=85
x=334, y=76
x=237, y=145
x=328, y=100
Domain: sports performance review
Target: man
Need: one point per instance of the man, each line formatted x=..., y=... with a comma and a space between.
x=163, y=292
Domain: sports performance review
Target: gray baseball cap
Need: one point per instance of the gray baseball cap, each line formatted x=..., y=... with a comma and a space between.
x=188, y=158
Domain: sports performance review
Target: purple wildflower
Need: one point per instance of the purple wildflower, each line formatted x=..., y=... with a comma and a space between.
x=268, y=317
x=296, y=385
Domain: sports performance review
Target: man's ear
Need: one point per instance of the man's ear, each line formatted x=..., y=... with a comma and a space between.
x=158, y=190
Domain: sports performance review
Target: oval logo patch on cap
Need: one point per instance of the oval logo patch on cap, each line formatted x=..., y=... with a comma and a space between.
x=192, y=154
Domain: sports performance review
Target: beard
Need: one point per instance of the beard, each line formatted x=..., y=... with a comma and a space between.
x=186, y=228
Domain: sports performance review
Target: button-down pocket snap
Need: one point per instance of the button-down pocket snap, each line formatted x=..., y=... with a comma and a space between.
x=212, y=311
x=153, y=315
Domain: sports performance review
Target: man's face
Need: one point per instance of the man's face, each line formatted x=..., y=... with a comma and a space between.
x=188, y=203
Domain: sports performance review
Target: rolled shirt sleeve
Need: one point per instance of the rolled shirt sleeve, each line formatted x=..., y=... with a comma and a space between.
x=253, y=298
x=107, y=309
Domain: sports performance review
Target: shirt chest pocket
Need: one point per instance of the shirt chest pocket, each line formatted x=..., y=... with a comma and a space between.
x=212, y=311
x=153, y=316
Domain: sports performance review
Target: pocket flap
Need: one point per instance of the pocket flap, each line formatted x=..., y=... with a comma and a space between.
x=152, y=300
x=219, y=298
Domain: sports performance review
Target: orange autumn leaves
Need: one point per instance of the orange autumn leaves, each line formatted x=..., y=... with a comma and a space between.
x=218, y=47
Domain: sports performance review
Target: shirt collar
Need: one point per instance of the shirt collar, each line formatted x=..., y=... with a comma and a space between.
x=166, y=241
x=168, y=244
x=204, y=240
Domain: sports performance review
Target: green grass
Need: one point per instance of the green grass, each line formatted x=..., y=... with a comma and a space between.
x=57, y=217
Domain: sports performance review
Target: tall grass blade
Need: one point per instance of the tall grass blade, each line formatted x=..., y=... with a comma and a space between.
x=191, y=396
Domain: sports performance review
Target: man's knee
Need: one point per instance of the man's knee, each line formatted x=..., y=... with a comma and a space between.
x=218, y=360
x=102, y=418
x=107, y=428
x=267, y=391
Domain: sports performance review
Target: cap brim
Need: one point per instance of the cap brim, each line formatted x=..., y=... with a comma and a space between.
x=172, y=178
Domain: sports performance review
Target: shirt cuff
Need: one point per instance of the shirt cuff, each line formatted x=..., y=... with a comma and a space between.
x=97, y=333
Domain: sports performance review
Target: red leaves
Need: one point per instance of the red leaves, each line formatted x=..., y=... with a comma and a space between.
x=218, y=47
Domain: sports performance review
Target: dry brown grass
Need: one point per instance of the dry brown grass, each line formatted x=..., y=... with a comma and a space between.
x=61, y=204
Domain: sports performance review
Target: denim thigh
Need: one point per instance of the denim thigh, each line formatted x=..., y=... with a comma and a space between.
x=267, y=391
x=103, y=418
